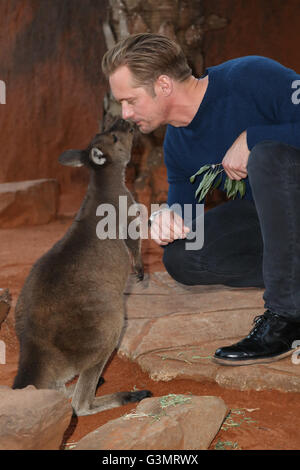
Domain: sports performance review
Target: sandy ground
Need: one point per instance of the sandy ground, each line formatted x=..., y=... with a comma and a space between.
x=258, y=420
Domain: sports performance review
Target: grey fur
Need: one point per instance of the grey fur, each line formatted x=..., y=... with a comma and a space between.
x=70, y=312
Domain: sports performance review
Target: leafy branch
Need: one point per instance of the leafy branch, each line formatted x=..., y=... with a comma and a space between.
x=213, y=178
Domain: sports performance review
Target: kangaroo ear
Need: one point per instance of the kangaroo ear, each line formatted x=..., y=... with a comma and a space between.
x=72, y=158
x=97, y=156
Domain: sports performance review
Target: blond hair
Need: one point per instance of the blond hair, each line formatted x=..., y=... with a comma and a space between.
x=147, y=55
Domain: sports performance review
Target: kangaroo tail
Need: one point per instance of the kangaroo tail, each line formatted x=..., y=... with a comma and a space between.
x=29, y=368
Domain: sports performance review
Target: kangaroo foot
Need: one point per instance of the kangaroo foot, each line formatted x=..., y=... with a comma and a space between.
x=112, y=401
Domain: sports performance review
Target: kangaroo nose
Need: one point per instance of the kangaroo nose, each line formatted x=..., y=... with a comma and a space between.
x=125, y=126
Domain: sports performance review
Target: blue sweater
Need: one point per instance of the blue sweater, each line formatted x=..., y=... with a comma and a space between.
x=252, y=93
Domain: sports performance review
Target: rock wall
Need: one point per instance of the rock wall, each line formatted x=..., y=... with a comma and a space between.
x=50, y=62
x=259, y=27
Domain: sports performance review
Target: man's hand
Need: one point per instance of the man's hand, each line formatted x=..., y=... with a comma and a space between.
x=167, y=226
x=236, y=158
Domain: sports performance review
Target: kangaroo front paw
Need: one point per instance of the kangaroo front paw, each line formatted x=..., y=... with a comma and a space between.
x=139, y=272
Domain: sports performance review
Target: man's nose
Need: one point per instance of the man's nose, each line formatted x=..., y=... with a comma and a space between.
x=127, y=111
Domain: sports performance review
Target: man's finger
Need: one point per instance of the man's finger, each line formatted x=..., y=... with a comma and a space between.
x=179, y=227
x=235, y=175
x=165, y=235
x=160, y=235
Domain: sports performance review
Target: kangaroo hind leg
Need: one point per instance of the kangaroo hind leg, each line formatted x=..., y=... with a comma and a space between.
x=70, y=389
x=84, y=401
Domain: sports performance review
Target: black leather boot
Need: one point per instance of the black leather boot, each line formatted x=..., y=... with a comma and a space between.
x=270, y=339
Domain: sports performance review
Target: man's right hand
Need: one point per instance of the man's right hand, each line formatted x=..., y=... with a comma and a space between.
x=167, y=226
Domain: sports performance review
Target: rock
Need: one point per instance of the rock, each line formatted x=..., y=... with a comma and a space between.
x=215, y=22
x=137, y=24
x=173, y=422
x=28, y=202
x=167, y=29
x=5, y=302
x=172, y=332
x=159, y=184
x=44, y=69
x=32, y=419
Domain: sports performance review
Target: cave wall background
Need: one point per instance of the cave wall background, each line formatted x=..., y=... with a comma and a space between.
x=260, y=27
x=50, y=58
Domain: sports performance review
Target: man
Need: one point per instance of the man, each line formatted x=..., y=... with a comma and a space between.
x=244, y=114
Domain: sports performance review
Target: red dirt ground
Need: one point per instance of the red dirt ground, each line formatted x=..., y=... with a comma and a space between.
x=266, y=420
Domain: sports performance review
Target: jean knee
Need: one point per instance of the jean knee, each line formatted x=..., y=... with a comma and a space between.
x=172, y=257
x=174, y=261
x=265, y=154
x=181, y=264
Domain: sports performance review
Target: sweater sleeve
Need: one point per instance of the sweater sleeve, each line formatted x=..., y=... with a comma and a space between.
x=287, y=133
x=275, y=90
x=180, y=190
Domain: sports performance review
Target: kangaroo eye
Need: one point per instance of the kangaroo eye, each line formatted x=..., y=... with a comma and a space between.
x=115, y=138
x=97, y=156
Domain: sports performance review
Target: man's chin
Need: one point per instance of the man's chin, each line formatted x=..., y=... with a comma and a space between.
x=144, y=129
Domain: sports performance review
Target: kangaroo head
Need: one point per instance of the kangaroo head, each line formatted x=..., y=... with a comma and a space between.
x=112, y=147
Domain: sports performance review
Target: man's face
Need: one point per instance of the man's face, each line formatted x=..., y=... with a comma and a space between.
x=138, y=105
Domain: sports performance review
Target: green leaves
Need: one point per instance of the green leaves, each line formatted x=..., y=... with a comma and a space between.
x=233, y=187
x=210, y=181
x=202, y=169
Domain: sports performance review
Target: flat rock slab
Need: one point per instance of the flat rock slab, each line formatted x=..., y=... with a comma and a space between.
x=33, y=202
x=172, y=332
x=172, y=422
x=32, y=419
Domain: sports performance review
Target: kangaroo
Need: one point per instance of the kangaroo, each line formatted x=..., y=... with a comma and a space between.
x=70, y=312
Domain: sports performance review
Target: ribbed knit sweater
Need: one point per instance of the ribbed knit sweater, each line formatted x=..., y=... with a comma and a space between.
x=252, y=93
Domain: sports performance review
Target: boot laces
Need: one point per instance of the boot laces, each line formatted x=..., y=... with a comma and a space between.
x=260, y=323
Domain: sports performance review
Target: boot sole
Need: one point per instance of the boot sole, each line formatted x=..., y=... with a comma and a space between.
x=261, y=360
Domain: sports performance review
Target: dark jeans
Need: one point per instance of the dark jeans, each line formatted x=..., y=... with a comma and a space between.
x=250, y=244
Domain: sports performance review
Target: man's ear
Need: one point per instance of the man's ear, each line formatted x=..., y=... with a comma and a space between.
x=72, y=158
x=164, y=85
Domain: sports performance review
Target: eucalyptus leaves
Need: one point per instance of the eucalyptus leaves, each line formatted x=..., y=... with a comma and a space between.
x=213, y=178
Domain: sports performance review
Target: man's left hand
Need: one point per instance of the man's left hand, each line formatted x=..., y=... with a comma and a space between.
x=236, y=158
